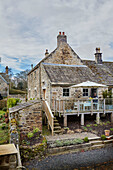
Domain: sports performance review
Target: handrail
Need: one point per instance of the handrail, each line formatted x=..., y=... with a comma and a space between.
x=63, y=106
x=49, y=115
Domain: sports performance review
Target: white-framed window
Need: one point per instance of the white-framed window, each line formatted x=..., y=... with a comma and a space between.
x=85, y=92
x=65, y=92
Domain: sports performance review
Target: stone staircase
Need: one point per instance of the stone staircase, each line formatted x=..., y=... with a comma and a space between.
x=57, y=127
x=96, y=143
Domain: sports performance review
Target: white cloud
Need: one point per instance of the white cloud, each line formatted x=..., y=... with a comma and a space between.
x=28, y=27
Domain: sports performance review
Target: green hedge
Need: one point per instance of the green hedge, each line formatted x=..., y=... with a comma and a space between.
x=11, y=102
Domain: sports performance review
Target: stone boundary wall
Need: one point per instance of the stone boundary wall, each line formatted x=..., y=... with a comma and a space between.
x=77, y=148
x=22, y=121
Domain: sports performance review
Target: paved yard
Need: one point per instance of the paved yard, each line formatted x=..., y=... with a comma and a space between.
x=71, y=136
x=73, y=161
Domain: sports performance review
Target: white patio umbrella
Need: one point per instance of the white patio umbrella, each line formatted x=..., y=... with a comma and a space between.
x=88, y=84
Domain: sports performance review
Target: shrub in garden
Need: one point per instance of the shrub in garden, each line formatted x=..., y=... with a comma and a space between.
x=111, y=129
x=30, y=135
x=67, y=142
x=88, y=125
x=11, y=102
x=103, y=137
x=108, y=122
x=86, y=139
x=59, y=143
x=95, y=125
x=77, y=141
x=36, y=130
x=85, y=128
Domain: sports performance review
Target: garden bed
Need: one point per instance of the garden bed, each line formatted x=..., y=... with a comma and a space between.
x=4, y=137
x=90, y=125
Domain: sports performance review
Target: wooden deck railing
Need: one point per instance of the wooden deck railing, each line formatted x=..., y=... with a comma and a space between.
x=49, y=115
x=81, y=105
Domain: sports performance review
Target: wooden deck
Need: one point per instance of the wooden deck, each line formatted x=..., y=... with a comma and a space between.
x=78, y=106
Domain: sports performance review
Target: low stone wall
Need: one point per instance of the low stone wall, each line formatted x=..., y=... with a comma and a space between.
x=30, y=152
x=29, y=118
x=77, y=148
x=23, y=121
x=3, y=103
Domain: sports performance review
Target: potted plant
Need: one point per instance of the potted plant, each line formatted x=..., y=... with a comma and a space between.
x=107, y=132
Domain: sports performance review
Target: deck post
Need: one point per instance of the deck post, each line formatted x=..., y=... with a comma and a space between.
x=104, y=106
x=65, y=120
x=112, y=117
x=82, y=119
x=91, y=107
x=98, y=118
x=78, y=107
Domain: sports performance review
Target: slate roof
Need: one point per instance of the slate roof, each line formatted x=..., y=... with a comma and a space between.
x=103, y=72
x=68, y=74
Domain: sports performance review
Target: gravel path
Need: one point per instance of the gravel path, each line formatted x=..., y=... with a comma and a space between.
x=73, y=160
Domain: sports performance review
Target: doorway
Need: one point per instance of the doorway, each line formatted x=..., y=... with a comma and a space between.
x=93, y=92
x=44, y=93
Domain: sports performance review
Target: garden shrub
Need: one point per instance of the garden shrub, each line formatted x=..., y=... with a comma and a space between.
x=95, y=125
x=79, y=141
x=111, y=129
x=1, y=116
x=36, y=130
x=67, y=142
x=103, y=137
x=30, y=135
x=90, y=129
x=59, y=143
x=88, y=125
x=85, y=128
x=11, y=102
x=108, y=122
x=86, y=139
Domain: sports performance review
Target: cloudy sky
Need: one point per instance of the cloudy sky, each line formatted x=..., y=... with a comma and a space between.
x=28, y=27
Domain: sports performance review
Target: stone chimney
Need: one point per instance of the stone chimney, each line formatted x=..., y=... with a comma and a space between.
x=31, y=66
x=46, y=53
x=61, y=38
x=98, y=56
x=6, y=70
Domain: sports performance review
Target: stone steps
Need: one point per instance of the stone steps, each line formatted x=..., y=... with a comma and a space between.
x=94, y=138
x=98, y=142
x=57, y=131
x=56, y=124
x=57, y=127
x=97, y=146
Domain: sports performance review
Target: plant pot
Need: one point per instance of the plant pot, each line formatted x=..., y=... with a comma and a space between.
x=107, y=132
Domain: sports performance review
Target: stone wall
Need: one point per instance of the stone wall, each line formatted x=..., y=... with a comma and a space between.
x=3, y=88
x=64, y=55
x=34, y=84
x=25, y=120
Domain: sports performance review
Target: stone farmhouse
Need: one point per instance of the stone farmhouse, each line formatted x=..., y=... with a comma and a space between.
x=51, y=81
x=4, y=83
x=53, y=75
